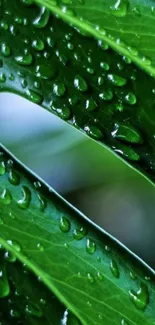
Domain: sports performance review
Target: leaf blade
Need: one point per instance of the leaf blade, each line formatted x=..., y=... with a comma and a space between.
x=77, y=266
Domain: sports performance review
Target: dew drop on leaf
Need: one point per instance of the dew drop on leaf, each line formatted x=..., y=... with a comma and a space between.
x=15, y=245
x=25, y=201
x=13, y=177
x=79, y=234
x=90, y=278
x=120, y=8
x=34, y=96
x=90, y=246
x=114, y=269
x=140, y=298
x=127, y=133
x=64, y=224
x=2, y=168
x=116, y=80
x=80, y=83
x=42, y=20
x=5, y=197
x=25, y=59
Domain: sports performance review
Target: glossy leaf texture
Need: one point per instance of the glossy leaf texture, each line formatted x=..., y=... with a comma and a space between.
x=80, y=79
x=127, y=26
x=89, y=271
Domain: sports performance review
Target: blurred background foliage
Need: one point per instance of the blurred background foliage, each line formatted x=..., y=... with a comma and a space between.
x=86, y=174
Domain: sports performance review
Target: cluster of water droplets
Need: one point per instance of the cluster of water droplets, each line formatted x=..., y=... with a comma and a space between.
x=55, y=67
x=80, y=234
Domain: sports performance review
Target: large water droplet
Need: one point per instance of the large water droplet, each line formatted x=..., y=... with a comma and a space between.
x=114, y=269
x=126, y=133
x=120, y=8
x=79, y=234
x=90, y=246
x=141, y=297
x=43, y=18
x=64, y=224
x=80, y=83
x=5, y=197
x=25, y=201
x=13, y=177
x=2, y=168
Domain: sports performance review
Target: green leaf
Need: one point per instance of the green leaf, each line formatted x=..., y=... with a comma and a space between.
x=81, y=80
x=98, y=279
x=24, y=298
x=127, y=26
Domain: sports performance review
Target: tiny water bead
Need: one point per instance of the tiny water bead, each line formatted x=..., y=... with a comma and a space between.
x=25, y=201
x=38, y=45
x=42, y=201
x=133, y=275
x=33, y=310
x=124, y=322
x=140, y=298
x=64, y=224
x=15, y=245
x=90, y=246
x=5, y=197
x=114, y=269
x=40, y=247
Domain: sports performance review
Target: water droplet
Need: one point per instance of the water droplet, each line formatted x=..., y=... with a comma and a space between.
x=2, y=168
x=124, y=322
x=91, y=104
x=15, y=245
x=9, y=257
x=126, y=133
x=133, y=275
x=100, y=276
x=25, y=59
x=64, y=224
x=90, y=278
x=25, y=201
x=5, y=50
x=126, y=152
x=38, y=45
x=42, y=20
x=42, y=201
x=120, y=8
x=5, y=197
x=116, y=80
x=107, y=95
x=114, y=269
x=80, y=83
x=40, y=247
x=13, y=177
x=79, y=234
x=90, y=246
x=141, y=297
x=34, y=96
x=94, y=132
x=59, y=89
x=130, y=98
x=33, y=310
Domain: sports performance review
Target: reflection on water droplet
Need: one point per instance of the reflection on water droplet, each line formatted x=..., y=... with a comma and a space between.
x=25, y=201
x=64, y=224
x=5, y=197
x=140, y=298
x=114, y=269
x=90, y=246
x=120, y=8
x=79, y=234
